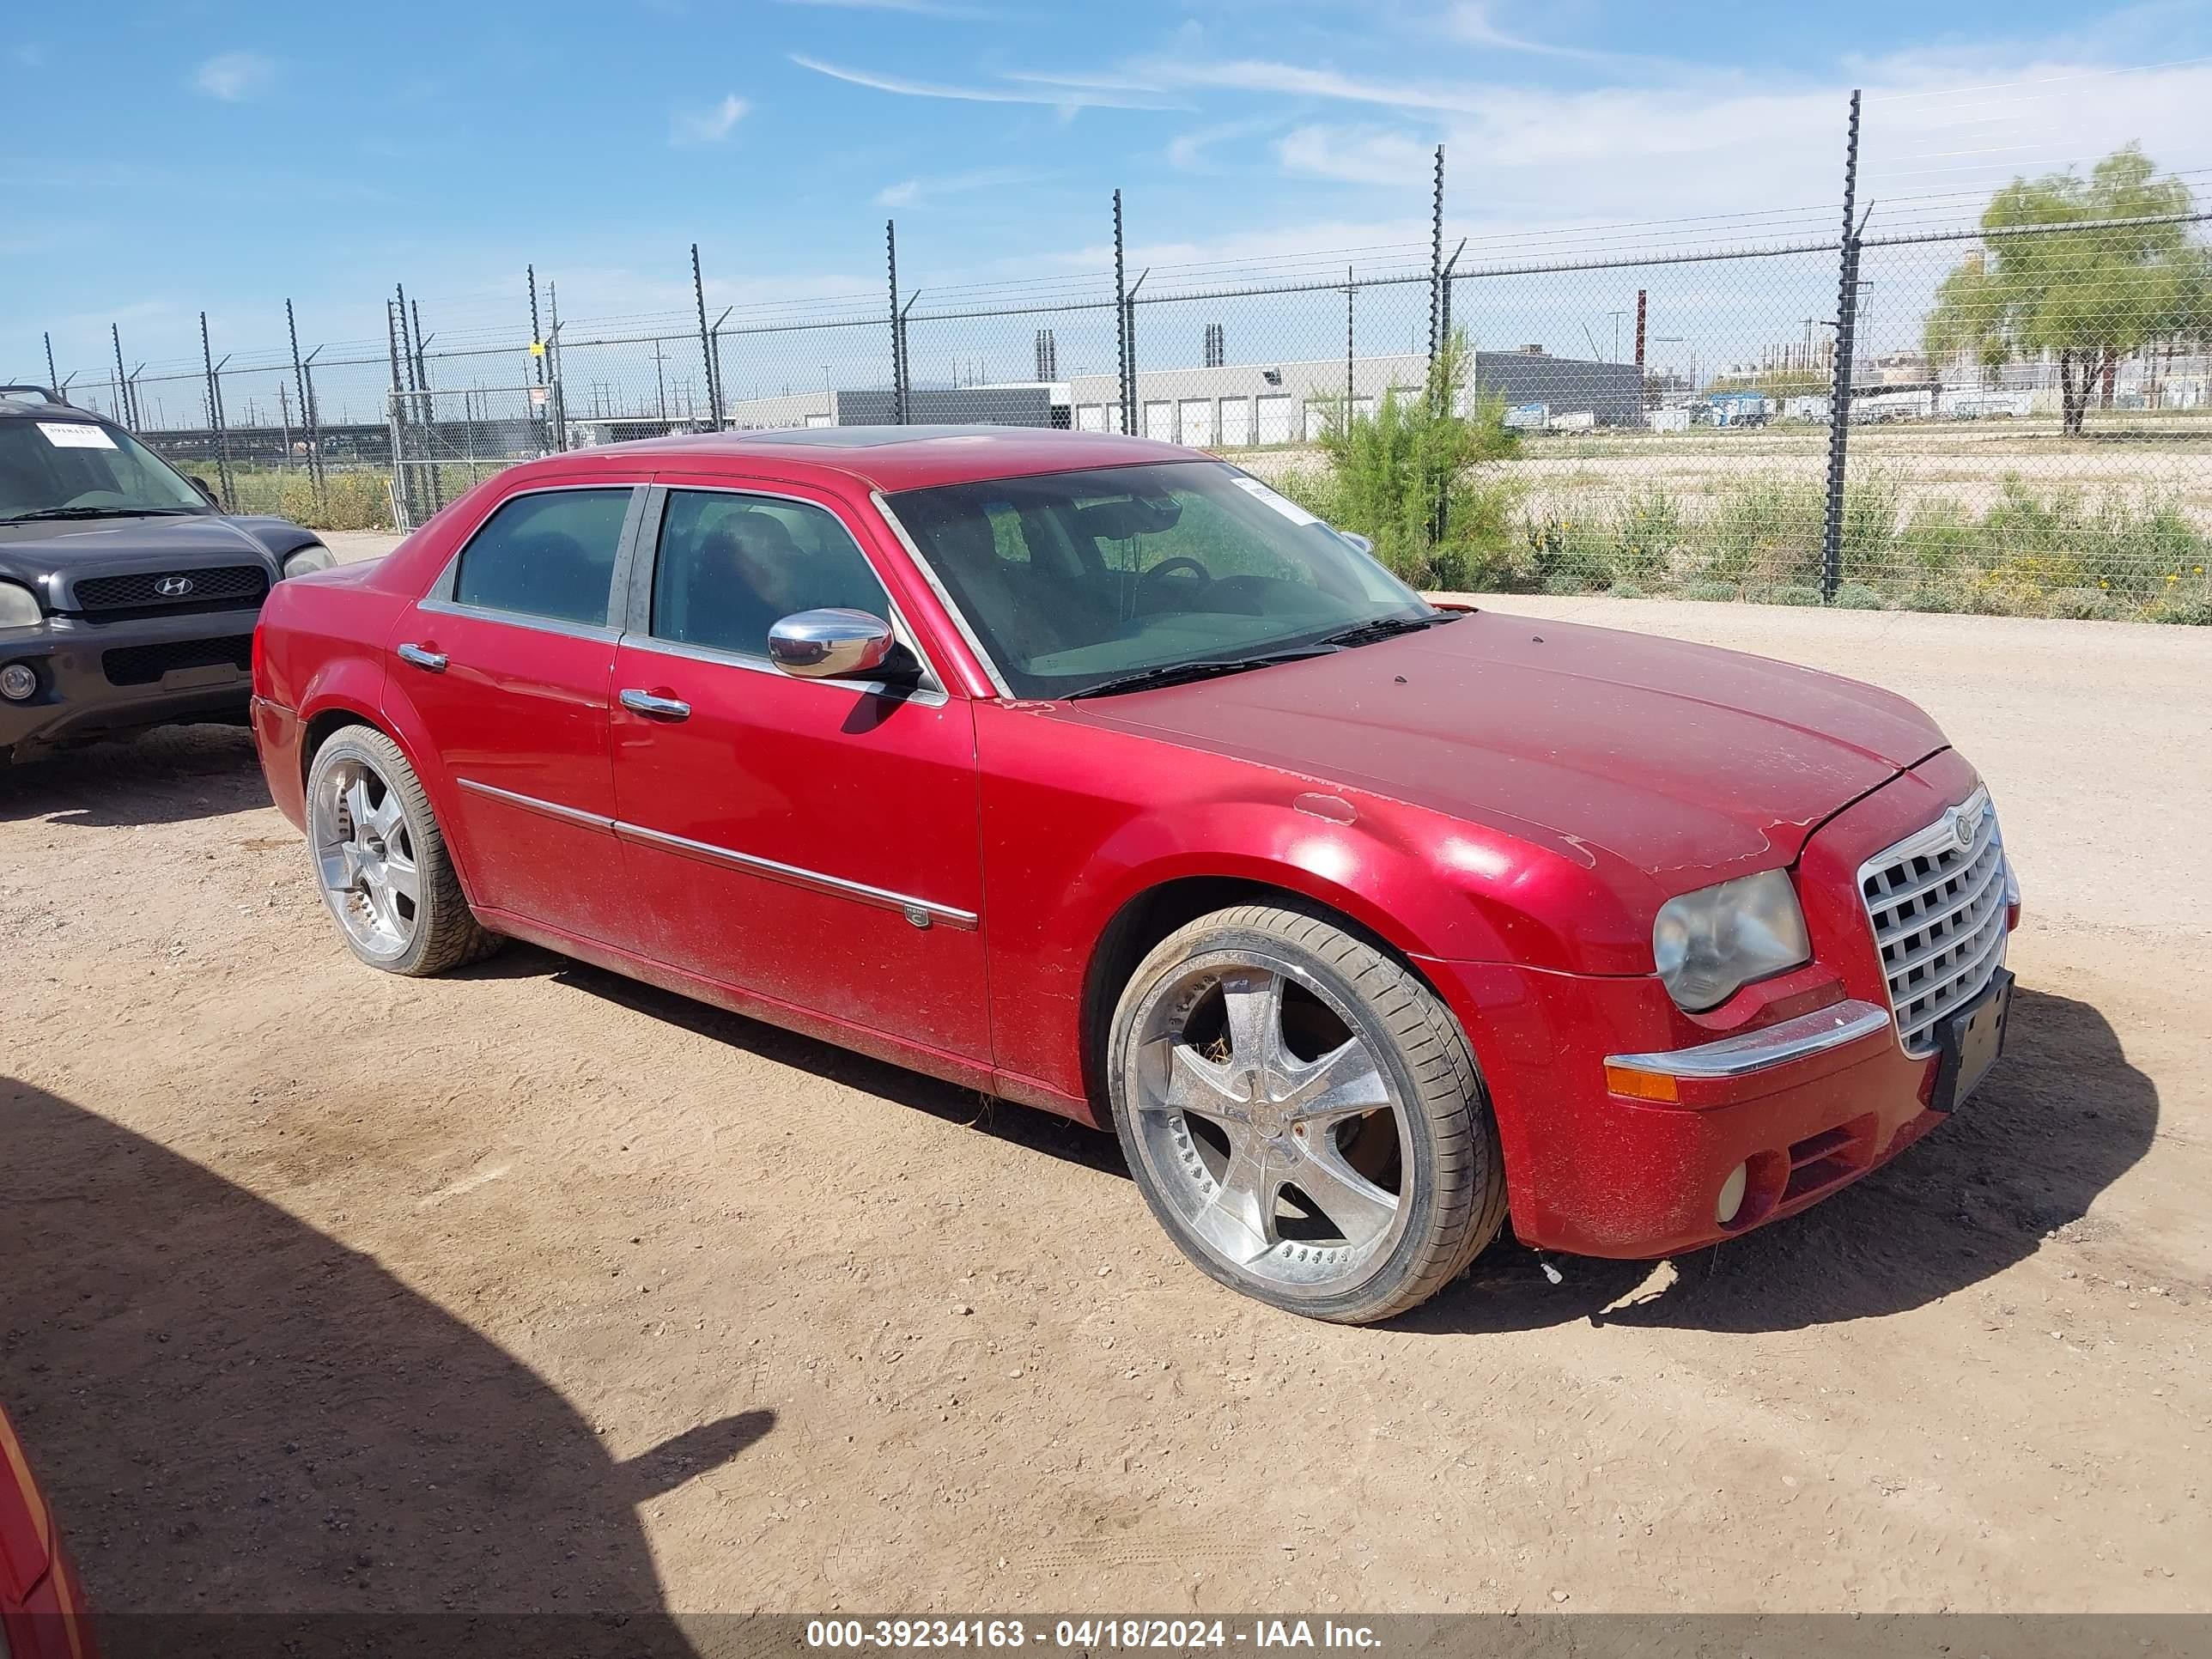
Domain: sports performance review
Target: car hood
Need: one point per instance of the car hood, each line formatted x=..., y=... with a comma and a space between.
x=1687, y=762
x=44, y=554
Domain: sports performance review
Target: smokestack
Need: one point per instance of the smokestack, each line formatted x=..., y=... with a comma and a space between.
x=1640, y=298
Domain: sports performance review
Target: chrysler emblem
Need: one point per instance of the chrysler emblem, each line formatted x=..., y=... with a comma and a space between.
x=174, y=587
x=1962, y=831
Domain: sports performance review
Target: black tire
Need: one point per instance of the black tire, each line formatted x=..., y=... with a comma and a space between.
x=446, y=933
x=1450, y=1188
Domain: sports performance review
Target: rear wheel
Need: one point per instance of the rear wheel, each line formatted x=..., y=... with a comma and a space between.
x=1302, y=1116
x=381, y=861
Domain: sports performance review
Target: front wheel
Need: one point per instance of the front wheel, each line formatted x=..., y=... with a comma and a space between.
x=382, y=860
x=1302, y=1114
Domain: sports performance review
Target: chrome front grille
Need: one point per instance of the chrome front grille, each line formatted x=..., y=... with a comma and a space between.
x=1937, y=903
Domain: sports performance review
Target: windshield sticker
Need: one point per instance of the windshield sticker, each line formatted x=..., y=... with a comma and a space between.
x=74, y=434
x=1282, y=504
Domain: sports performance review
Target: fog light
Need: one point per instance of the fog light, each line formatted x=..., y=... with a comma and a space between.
x=1731, y=1198
x=17, y=682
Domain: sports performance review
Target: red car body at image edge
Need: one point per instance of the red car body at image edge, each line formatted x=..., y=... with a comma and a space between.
x=42, y=1608
x=1092, y=773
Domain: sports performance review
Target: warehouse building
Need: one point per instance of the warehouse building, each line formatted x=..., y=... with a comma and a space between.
x=1226, y=406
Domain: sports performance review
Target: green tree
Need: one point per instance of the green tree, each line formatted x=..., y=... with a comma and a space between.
x=1414, y=464
x=2091, y=296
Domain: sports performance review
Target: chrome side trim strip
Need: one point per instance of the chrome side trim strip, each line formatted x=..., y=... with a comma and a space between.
x=531, y=804
x=1773, y=1045
x=921, y=911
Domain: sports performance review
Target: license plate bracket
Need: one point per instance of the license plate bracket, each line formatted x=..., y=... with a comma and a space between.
x=1969, y=1042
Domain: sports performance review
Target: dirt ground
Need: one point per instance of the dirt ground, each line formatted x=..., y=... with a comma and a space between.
x=531, y=1287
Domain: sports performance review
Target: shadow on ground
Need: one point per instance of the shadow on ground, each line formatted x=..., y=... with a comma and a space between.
x=2062, y=1118
x=172, y=775
x=233, y=1412
x=1001, y=1120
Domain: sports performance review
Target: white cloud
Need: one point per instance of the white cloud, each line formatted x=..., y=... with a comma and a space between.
x=1061, y=95
x=1187, y=150
x=909, y=191
x=707, y=126
x=1358, y=155
x=233, y=76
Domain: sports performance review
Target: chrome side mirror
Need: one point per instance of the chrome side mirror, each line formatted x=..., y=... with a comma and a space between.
x=831, y=644
x=1364, y=544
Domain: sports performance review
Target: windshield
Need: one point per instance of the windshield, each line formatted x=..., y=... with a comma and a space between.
x=1073, y=579
x=65, y=468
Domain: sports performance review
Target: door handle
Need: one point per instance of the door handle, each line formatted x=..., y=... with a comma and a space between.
x=433, y=661
x=666, y=708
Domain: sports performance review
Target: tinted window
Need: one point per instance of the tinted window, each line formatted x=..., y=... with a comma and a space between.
x=732, y=566
x=1074, y=578
x=550, y=553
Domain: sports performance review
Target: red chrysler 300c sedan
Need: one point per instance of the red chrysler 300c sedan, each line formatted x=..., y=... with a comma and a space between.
x=1092, y=773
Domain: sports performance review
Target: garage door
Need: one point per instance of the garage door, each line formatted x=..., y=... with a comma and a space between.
x=1159, y=422
x=1236, y=422
x=1196, y=417
x=1275, y=420
x=1090, y=417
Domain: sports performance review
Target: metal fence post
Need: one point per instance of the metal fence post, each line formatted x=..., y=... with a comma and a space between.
x=706, y=346
x=558, y=397
x=311, y=415
x=215, y=415
x=1437, y=263
x=1126, y=366
x=1839, y=396
x=403, y=493
x=898, y=375
x=1349, y=292
x=300, y=385
x=122, y=403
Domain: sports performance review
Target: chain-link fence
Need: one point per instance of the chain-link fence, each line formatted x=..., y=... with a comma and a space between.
x=2007, y=412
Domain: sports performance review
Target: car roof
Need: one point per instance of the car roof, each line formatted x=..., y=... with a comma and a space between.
x=895, y=457
x=14, y=401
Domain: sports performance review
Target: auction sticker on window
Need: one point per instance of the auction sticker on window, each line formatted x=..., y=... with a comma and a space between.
x=74, y=434
x=1282, y=504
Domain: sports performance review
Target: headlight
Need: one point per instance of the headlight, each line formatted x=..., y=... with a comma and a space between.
x=1710, y=943
x=19, y=606
x=313, y=556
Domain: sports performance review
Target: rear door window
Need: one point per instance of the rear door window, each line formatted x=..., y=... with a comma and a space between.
x=550, y=553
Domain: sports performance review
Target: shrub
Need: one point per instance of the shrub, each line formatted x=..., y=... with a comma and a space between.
x=1858, y=596
x=2085, y=604
x=1648, y=532
x=1621, y=590
x=1790, y=594
x=1392, y=471
x=1765, y=531
x=1719, y=592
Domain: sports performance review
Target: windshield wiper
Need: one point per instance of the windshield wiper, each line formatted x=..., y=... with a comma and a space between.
x=1180, y=673
x=97, y=512
x=1383, y=628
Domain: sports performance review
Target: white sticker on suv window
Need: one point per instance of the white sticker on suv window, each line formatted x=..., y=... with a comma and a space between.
x=1282, y=504
x=74, y=434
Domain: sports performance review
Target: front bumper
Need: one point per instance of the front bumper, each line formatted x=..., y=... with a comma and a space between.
x=1623, y=1120
x=79, y=697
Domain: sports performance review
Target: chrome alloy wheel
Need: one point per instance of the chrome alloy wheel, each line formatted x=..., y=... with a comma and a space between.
x=366, y=855
x=1266, y=1121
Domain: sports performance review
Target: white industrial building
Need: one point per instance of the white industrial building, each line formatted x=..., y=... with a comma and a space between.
x=1231, y=406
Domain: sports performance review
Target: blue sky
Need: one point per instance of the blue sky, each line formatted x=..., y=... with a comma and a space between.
x=225, y=156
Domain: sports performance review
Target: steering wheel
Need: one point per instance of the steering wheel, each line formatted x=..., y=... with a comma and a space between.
x=1181, y=563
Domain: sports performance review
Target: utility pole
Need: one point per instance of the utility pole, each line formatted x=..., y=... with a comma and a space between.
x=1839, y=398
